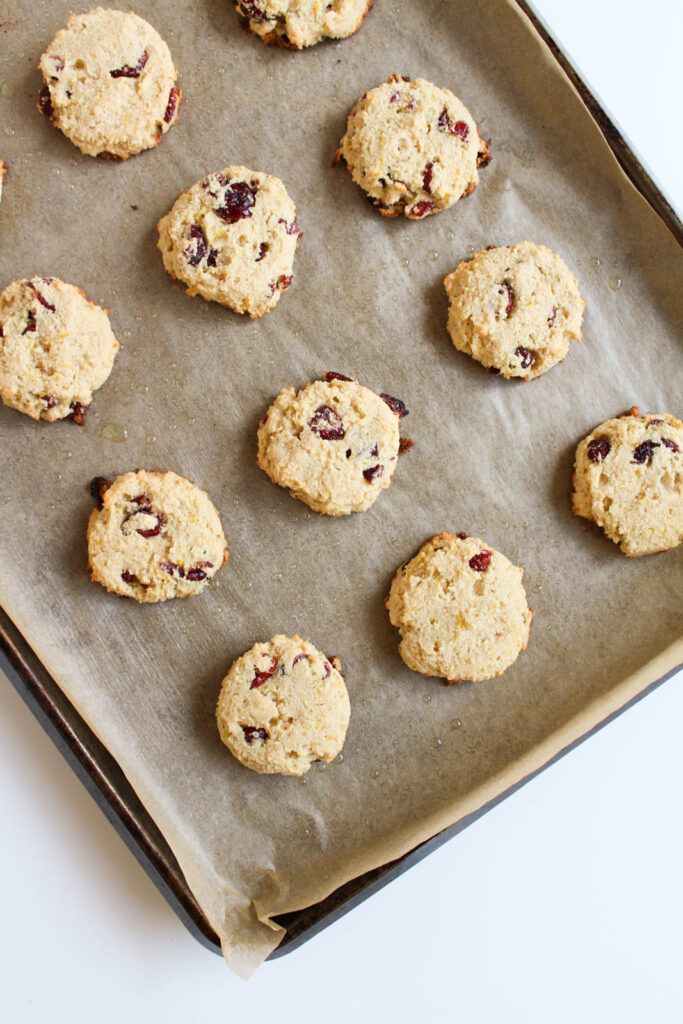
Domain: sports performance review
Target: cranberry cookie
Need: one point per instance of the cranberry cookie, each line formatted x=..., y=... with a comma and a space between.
x=334, y=445
x=56, y=348
x=628, y=478
x=153, y=536
x=300, y=23
x=109, y=83
x=461, y=609
x=282, y=706
x=412, y=147
x=231, y=238
x=515, y=309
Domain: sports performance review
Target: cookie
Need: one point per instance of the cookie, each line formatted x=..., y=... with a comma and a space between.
x=412, y=147
x=334, y=445
x=153, y=536
x=300, y=23
x=461, y=609
x=231, y=238
x=515, y=309
x=282, y=706
x=628, y=478
x=109, y=83
x=56, y=348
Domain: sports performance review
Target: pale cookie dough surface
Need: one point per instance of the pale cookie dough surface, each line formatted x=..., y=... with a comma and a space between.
x=515, y=309
x=334, y=445
x=628, y=478
x=412, y=147
x=156, y=536
x=282, y=706
x=300, y=23
x=231, y=238
x=461, y=609
x=109, y=83
x=56, y=348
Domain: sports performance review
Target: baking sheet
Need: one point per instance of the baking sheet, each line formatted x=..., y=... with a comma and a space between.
x=491, y=457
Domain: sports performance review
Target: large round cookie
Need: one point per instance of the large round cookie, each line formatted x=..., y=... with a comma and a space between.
x=300, y=23
x=461, y=609
x=412, y=147
x=515, y=309
x=628, y=478
x=231, y=238
x=56, y=348
x=154, y=536
x=282, y=706
x=109, y=83
x=334, y=445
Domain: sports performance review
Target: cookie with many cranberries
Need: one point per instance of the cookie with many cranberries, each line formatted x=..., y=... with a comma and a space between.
x=515, y=309
x=333, y=445
x=231, y=238
x=153, y=536
x=56, y=348
x=282, y=706
x=109, y=83
x=299, y=23
x=461, y=609
x=412, y=147
x=628, y=478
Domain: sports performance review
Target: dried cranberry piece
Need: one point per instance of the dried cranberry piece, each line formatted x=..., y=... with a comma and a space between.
x=527, y=357
x=171, y=568
x=291, y=229
x=480, y=562
x=509, y=305
x=173, y=97
x=197, y=249
x=263, y=249
x=98, y=486
x=41, y=298
x=50, y=401
x=261, y=676
x=78, y=412
x=551, y=318
x=644, y=451
x=427, y=178
x=328, y=670
x=458, y=128
x=128, y=577
x=300, y=657
x=285, y=281
x=395, y=404
x=373, y=472
x=58, y=63
x=404, y=445
x=462, y=535
x=2, y=333
x=375, y=450
x=333, y=375
x=410, y=105
x=421, y=209
x=250, y=9
x=652, y=422
x=45, y=102
x=598, y=449
x=31, y=325
x=327, y=424
x=156, y=530
x=670, y=444
x=197, y=573
x=493, y=369
x=253, y=732
x=394, y=97
x=212, y=258
x=131, y=72
x=264, y=418
x=143, y=501
x=238, y=199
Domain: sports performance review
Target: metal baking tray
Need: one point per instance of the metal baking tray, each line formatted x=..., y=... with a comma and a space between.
x=102, y=776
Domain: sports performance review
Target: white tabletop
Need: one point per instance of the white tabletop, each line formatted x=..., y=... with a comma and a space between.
x=564, y=904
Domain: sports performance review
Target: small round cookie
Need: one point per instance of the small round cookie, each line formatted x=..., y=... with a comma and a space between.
x=515, y=309
x=628, y=478
x=231, y=238
x=334, y=445
x=412, y=147
x=461, y=609
x=153, y=536
x=109, y=83
x=300, y=23
x=56, y=348
x=282, y=706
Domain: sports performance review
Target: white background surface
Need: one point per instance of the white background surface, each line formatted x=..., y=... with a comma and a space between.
x=562, y=905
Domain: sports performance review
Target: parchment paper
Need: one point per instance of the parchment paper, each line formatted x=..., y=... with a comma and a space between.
x=491, y=457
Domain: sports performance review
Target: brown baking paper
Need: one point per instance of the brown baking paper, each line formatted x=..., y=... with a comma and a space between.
x=491, y=457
